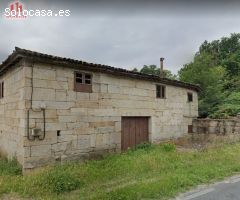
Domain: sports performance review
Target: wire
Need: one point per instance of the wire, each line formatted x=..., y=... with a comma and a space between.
x=44, y=125
x=28, y=112
x=28, y=132
x=31, y=108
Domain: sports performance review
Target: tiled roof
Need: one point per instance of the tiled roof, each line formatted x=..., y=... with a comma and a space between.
x=19, y=54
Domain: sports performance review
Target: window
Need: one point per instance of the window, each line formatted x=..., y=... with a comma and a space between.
x=161, y=91
x=190, y=97
x=1, y=90
x=79, y=78
x=83, y=82
x=88, y=79
x=190, y=128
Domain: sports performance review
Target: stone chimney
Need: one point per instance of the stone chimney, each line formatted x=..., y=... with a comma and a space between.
x=161, y=68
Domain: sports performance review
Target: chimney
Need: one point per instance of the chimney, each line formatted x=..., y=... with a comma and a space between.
x=161, y=68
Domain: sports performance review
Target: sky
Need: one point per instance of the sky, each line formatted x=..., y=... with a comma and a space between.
x=124, y=34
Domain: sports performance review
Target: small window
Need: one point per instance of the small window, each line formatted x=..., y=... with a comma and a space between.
x=190, y=97
x=79, y=78
x=88, y=79
x=1, y=90
x=161, y=91
x=83, y=82
x=190, y=129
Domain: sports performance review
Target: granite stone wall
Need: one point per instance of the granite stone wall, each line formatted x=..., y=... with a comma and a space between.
x=84, y=125
x=216, y=130
x=217, y=126
x=12, y=112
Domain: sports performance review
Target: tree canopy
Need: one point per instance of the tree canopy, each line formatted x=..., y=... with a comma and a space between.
x=216, y=68
x=154, y=70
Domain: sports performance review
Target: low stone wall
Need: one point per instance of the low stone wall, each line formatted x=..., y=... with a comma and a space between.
x=216, y=126
x=215, y=130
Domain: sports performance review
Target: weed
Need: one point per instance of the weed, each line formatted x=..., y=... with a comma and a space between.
x=144, y=146
x=168, y=147
x=59, y=179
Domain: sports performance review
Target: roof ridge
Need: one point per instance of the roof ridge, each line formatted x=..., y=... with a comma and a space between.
x=18, y=49
x=95, y=66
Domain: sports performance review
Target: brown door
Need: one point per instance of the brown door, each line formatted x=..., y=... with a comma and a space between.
x=134, y=131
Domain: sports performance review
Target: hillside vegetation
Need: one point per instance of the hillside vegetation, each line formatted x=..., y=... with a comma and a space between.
x=151, y=172
x=216, y=68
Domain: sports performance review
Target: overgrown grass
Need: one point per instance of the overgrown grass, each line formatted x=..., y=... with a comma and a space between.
x=151, y=171
x=9, y=167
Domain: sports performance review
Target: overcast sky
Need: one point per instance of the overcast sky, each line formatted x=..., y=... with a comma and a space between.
x=121, y=34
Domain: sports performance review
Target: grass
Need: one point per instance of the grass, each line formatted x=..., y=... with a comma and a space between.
x=151, y=171
x=9, y=167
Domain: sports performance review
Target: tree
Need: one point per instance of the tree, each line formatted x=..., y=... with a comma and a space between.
x=154, y=70
x=150, y=69
x=216, y=68
x=135, y=69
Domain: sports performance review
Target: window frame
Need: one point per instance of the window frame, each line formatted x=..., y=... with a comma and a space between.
x=82, y=86
x=189, y=97
x=162, y=94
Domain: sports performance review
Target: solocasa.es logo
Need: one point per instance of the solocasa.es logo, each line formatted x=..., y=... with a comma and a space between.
x=15, y=10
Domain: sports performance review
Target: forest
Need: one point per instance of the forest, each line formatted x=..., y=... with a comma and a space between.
x=216, y=69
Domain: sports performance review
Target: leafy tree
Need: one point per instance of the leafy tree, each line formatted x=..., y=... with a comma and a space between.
x=154, y=70
x=168, y=74
x=150, y=69
x=229, y=106
x=216, y=68
x=135, y=69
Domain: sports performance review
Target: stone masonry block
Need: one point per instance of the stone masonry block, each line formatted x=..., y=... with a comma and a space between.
x=44, y=73
x=44, y=94
x=66, y=137
x=61, y=95
x=83, y=141
x=40, y=150
x=62, y=147
x=63, y=72
x=56, y=126
x=101, y=124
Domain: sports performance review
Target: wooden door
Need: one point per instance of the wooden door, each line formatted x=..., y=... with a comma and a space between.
x=134, y=131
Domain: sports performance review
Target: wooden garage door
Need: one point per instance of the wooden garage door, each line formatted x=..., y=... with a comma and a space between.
x=134, y=131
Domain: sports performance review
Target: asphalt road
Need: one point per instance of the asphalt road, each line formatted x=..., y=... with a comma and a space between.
x=225, y=190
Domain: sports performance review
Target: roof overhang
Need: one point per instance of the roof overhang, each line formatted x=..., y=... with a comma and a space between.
x=37, y=57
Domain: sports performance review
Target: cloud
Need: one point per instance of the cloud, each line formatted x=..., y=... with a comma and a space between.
x=131, y=36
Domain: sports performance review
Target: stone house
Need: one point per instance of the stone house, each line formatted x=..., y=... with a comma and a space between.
x=56, y=109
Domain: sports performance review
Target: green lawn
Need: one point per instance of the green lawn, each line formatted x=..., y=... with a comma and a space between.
x=157, y=171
